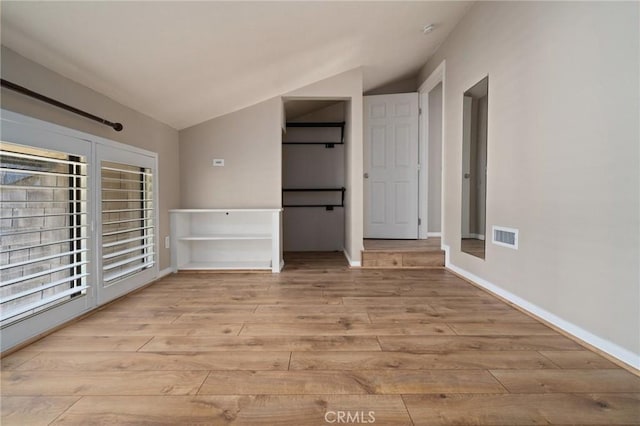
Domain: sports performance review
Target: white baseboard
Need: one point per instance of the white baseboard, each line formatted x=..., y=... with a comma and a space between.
x=434, y=234
x=281, y=265
x=165, y=272
x=475, y=236
x=352, y=263
x=446, y=249
x=602, y=344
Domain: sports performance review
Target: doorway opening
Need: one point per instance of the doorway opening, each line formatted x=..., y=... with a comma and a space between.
x=388, y=134
x=313, y=181
x=391, y=166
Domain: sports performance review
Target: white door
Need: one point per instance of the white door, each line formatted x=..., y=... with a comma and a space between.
x=391, y=166
x=127, y=221
x=44, y=236
x=466, y=165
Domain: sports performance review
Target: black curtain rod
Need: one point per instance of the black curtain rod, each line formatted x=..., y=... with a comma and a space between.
x=16, y=88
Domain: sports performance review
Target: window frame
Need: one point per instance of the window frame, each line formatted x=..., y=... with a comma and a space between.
x=34, y=164
x=110, y=291
x=20, y=129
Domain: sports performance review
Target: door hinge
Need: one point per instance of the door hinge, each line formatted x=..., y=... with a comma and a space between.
x=419, y=111
x=419, y=221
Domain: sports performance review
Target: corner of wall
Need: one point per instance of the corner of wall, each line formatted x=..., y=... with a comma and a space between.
x=574, y=331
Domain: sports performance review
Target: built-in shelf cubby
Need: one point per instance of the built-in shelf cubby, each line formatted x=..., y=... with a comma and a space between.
x=232, y=239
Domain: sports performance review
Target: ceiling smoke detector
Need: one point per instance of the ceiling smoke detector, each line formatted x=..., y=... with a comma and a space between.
x=428, y=28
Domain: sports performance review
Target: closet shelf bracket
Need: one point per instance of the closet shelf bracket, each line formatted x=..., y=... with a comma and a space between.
x=328, y=207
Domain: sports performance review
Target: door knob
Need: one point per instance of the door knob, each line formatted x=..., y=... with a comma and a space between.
x=366, y=175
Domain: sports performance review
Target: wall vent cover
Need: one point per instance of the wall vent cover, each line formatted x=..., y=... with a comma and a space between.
x=506, y=237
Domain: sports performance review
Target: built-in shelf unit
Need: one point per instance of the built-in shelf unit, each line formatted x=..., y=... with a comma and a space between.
x=218, y=239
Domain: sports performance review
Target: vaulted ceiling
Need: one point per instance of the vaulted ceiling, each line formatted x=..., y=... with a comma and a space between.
x=185, y=62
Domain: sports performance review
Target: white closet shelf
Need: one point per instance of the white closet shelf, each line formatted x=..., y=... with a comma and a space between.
x=223, y=210
x=232, y=239
x=225, y=237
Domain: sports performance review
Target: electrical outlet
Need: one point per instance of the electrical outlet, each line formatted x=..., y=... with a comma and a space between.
x=167, y=242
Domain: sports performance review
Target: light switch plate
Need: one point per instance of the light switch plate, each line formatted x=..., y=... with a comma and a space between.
x=218, y=162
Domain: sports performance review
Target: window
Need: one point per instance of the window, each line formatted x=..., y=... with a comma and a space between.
x=77, y=224
x=127, y=220
x=43, y=227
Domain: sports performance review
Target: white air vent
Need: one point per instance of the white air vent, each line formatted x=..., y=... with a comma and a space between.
x=506, y=237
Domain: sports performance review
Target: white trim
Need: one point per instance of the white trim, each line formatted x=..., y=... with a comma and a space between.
x=276, y=257
x=352, y=263
x=602, y=344
x=516, y=233
x=223, y=210
x=281, y=264
x=423, y=161
x=158, y=239
x=434, y=234
x=165, y=272
x=447, y=256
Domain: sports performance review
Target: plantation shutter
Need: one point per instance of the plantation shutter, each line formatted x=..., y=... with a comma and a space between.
x=43, y=230
x=127, y=221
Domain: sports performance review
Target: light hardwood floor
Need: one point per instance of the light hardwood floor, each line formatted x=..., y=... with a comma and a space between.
x=413, y=347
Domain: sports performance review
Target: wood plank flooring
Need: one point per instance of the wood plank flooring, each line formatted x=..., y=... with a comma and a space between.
x=407, y=347
x=431, y=243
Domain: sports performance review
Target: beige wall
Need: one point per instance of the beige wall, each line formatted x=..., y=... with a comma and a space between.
x=405, y=85
x=139, y=130
x=249, y=141
x=563, y=158
x=346, y=86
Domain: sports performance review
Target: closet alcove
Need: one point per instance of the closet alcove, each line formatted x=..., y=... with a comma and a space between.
x=313, y=176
